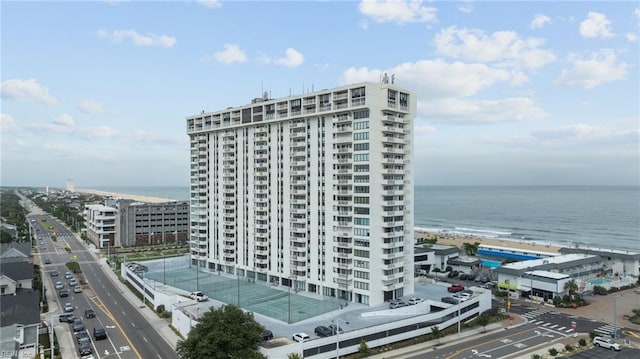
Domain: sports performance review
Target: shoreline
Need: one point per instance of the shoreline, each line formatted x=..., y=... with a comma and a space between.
x=456, y=239
x=134, y=197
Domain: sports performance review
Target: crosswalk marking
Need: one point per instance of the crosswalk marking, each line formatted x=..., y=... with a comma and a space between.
x=562, y=328
x=569, y=330
x=605, y=329
x=533, y=314
x=539, y=322
x=546, y=324
x=553, y=326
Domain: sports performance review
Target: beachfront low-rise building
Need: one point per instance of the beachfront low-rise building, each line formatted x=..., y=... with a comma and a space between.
x=100, y=223
x=506, y=253
x=616, y=263
x=545, y=278
x=433, y=258
x=143, y=223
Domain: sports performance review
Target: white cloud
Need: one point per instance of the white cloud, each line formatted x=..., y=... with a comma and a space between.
x=465, y=9
x=632, y=37
x=293, y=58
x=460, y=111
x=17, y=89
x=232, y=53
x=397, y=11
x=636, y=12
x=596, y=25
x=211, y=4
x=597, y=69
x=589, y=133
x=435, y=78
x=90, y=107
x=64, y=120
x=7, y=123
x=119, y=36
x=505, y=48
x=99, y=132
x=539, y=20
x=58, y=147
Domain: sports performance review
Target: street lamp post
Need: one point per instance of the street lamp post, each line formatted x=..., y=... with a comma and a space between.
x=338, y=320
x=615, y=319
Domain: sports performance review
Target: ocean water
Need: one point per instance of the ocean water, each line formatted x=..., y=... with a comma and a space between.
x=597, y=216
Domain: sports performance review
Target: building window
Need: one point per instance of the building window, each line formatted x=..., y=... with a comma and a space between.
x=361, y=114
x=361, y=136
x=361, y=157
x=361, y=146
x=362, y=125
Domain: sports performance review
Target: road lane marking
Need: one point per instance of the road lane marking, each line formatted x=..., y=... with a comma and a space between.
x=106, y=311
x=489, y=342
x=145, y=339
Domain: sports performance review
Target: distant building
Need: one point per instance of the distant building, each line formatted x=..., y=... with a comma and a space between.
x=615, y=262
x=430, y=258
x=312, y=192
x=141, y=223
x=100, y=223
x=10, y=229
x=70, y=186
x=508, y=253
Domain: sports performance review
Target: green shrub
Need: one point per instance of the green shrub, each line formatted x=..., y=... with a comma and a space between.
x=582, y=342
x=592, y=335
x=599, y=290
x=160, y=308
x=568, y=347
x=553, y=352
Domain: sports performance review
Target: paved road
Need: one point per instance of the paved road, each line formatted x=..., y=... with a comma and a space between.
x=600, y=353
x=129, y=334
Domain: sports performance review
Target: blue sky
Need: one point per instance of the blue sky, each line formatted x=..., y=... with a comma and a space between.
x=509, y=93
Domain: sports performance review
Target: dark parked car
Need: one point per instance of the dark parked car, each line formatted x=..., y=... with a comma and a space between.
x=99, y=333
x=449, y=300
x=66, y=318
x=464, y=276
x=64, y=293
x=266, y=335
x=334, y=327
x=323, y=331
x=85, y=347
x=89, y=313
x=453, y=274
x=83, y=334
x=78, y=325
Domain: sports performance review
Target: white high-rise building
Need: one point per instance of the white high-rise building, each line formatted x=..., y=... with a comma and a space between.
x=311, y=191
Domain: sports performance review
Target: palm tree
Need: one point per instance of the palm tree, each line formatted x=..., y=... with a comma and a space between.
x=435, y=331
x=571, y=287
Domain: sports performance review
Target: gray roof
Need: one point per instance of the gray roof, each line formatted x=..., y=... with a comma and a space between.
x=17, y=270
x=22, y=308
x=438, y=249
x=613, y=253
x=535, y=265
x=23, y=247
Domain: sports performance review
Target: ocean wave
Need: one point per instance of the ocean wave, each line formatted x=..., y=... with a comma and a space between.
x=483, y=231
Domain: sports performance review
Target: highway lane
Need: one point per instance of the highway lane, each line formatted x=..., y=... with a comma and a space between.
x=129, y=333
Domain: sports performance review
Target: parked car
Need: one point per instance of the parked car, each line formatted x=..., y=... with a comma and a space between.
x=78, y=325
x=301, y=337
x=449, y=300
x=606, y=343
x=59, y=285
x=73, y=282
x=66, y=318
x=323, y=331
x=77, y=289
x=396, y=303
x=463, y=297
x=453, y=274
x=64, y=293
x=54, y=273
x=463, y=276
x=89, y=313
x=68, y=275
x=415, y=300
x=199, y=296
x=47, y=261
x=266, y=335
x=83, y=334
x=99, y=333
x=85, y=347
x=455, y=288
x=68, y=307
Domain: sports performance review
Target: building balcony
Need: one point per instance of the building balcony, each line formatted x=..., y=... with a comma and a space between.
x=391, y=277
x=345, y=170
x=393, y=160
x=264, y=261
x=392, y=129
x=298, y=124
x=393, y=140
x=343, y=129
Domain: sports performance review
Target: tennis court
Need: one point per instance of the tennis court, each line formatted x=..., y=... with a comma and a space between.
x=259, y=297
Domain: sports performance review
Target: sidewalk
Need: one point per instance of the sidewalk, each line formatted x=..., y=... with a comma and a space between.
x=444, y=342
x=63, y=330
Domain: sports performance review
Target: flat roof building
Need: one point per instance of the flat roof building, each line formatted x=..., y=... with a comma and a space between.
x=142, y=223
x=313, y=191
x=100, y=221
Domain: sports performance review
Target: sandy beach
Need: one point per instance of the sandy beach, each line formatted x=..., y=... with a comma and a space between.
x=125, y=196
x=459, y=240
